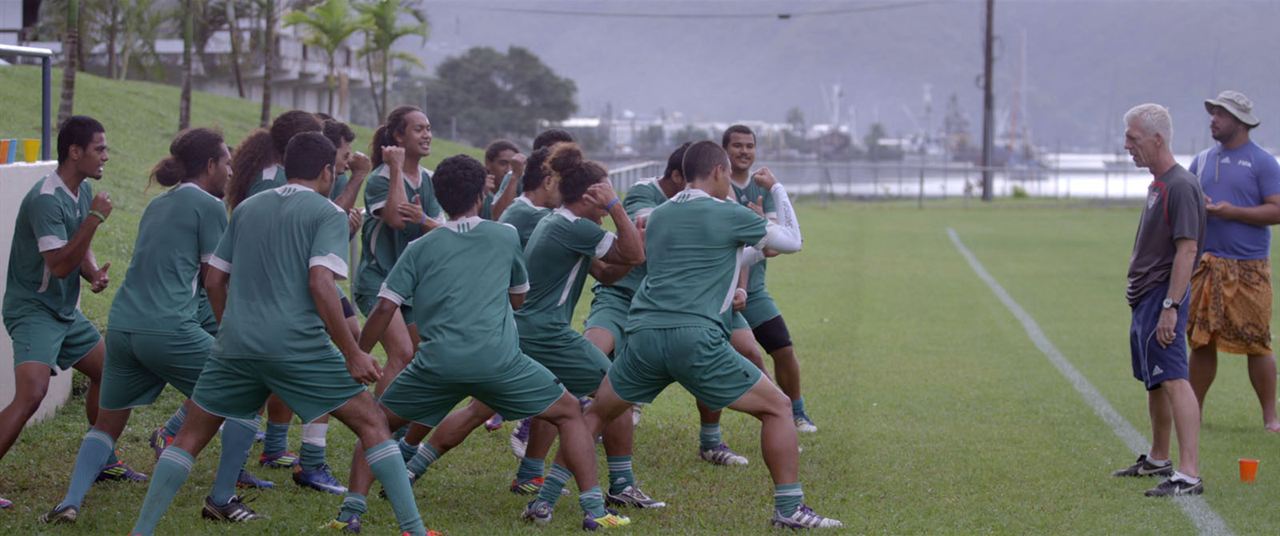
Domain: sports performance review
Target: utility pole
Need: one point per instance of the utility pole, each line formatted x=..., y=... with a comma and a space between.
x=988, y=105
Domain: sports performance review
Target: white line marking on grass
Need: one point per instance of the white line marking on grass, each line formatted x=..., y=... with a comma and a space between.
x=1207, y=521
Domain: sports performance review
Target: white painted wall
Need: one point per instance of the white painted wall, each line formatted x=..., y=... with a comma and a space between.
x=15, y=181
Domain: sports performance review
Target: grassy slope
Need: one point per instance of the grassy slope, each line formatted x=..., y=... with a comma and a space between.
x=141, y=120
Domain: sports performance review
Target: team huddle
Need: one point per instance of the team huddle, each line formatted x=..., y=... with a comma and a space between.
x=468, y=278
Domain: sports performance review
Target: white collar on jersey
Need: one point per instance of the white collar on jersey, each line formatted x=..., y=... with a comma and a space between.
x=524, y=199
x=742, y=184
x=456, y=225
x=566, y=213
x=192, y=185
x=293, y=188
x=689, y=194
x=53, y=182
x=269, y=172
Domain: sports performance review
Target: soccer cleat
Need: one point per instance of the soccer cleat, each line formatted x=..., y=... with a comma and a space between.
x=723, y=455
x=537, y=512
x=160, y=441
x=527, y=487
x=278, y=460
x=61, y=514
x=632, y=496
x=235, y=511
x=1173, y=488
x=1144, y=467
x=611, y=520
x=520, y=438
x=5, y=503
x=319, y=479
x=804, y=424
x=247, y=480
x=119, y=471
x=494, y=422
x=351, y=526
x=803, y=518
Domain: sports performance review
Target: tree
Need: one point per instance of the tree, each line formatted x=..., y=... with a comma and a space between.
x=188, y=30
x=690, y=133
x=381, y=22
x=492, y=95
x=795, y=118
x=328, y=26
x=875, y=149
x=70, y=52
x=268, y=54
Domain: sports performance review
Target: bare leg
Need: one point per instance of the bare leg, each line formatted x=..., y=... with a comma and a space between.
x=361, y=477
x=601, y=338
x=1203, y=369
x=1186, y=420
x=577, y=451
x=786, y=368
x=399, y=344
x=1161, y=412
x=1262, y=374
x=31, y=382
x=91, y=366
x=458, y=425
x=778, y=442
x=541, y=435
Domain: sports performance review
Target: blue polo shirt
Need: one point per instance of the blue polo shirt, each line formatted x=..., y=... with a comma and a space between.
x=1243, y=177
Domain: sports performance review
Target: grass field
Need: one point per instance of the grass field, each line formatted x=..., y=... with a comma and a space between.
x=937, y=413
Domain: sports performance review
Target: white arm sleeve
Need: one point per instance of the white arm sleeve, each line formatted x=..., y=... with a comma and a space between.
x=783, y=236
x=750, y=257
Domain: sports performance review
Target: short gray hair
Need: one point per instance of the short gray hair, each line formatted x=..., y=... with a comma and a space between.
x=1153, y=118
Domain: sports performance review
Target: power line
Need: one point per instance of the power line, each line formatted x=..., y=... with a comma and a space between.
x=782, y=15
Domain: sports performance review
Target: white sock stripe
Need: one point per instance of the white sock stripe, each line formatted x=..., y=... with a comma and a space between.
x=378, y=454
x=427, y=452
x=315, y=434
x=174, y=457
x=796, y=493
x=101, y=437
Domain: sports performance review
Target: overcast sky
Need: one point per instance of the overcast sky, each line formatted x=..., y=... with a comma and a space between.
x=1086, y=62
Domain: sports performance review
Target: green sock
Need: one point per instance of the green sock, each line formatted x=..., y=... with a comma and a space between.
x=311, y=455
x=787, y=498
x=797, y=407
x=550, y=492
x=426, y=456
x=94, y=449
x=175, y=421
x=530, y=468
x=237, y=439
x=277, y=438
x=172, y=469
x=388, y=467
x=709, y=436
x=620, y=475
x=407, y=451
x=354, y=504
x=592, y=502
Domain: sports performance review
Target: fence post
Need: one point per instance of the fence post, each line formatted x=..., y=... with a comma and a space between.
x=920, y=193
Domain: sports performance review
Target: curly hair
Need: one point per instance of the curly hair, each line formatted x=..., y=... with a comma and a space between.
x=576, y=173
x=189, y=153
x=263, y=148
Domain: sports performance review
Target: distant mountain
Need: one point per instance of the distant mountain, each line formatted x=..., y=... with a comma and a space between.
x=1086, y=62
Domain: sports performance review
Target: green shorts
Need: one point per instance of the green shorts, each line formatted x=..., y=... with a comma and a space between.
x=578, y=364
x=609, y=309
x=366, y=302
x=699, y=358
x=760, y=309
x=311, y=387
x=519, y=390
x=39, y=337
x=739, y=322
x=140, y=364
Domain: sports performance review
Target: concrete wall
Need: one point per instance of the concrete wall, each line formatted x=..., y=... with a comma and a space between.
x=15, y=181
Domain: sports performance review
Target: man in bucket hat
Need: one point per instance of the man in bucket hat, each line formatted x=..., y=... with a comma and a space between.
x=1231, y=287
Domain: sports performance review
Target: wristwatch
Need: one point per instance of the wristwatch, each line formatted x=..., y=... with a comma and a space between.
x=1170, y=304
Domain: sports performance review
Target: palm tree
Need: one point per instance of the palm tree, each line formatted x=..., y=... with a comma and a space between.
x=233, y=27
x=268, y=43
x=70, y=53
x=380, y=19
x=327, y=26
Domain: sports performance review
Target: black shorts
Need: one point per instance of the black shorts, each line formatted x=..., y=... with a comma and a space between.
x=772, y=334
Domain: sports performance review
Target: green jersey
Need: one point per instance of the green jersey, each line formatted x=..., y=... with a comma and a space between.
x=692, y=245
x=641, y=199
x=458, y=280
x=559, y=257
x=179, y=230
x=524, y=217
x=381, y=245
x=749, y=193
x=269, y=248
x=272, y=177
x=50, y=214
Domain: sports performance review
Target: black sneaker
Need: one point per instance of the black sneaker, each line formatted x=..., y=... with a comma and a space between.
x=234, y=511
x=1172, y=488
x=1143, y=467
